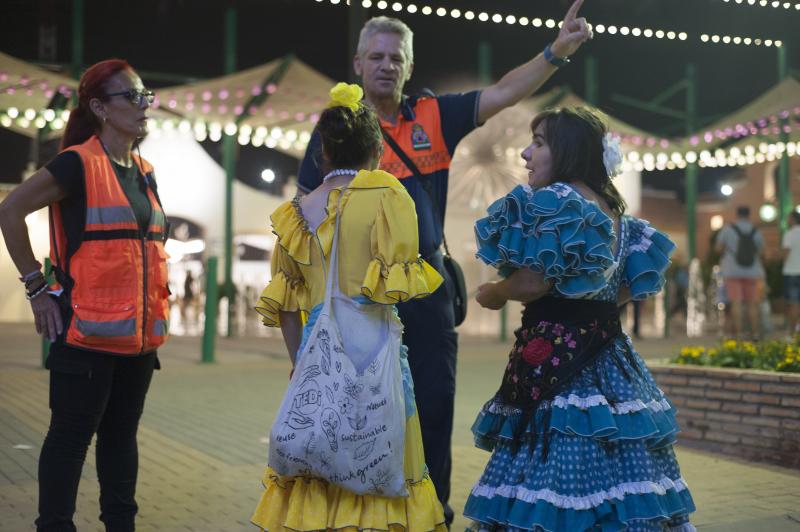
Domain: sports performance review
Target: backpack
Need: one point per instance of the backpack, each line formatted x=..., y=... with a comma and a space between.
x=746, y=249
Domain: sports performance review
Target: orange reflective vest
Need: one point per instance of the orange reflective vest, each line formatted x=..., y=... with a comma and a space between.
x=115, y=278
x=421, y=139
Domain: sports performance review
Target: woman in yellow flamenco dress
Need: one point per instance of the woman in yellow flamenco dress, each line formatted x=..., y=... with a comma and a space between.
x=378, y=262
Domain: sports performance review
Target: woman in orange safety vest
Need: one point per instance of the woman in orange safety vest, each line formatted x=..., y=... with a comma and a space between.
x=106, y=311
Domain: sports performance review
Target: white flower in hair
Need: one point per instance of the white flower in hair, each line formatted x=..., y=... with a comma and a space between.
x=612, y=155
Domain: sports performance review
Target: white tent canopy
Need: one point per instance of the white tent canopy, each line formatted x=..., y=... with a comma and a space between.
x=763, y=114
x=284, y=96
x=24, y=86
x=192, y=186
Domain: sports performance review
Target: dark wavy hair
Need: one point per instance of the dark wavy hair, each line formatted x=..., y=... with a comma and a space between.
x=575, y=138
x=82, y=123
x=349, y=138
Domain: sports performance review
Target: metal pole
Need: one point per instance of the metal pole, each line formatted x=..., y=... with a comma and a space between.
x=691, y=168
x=77, y=38
x=229, y=164
x=784, y=189
x=591, y=80
x=484, y=62
x=212, y=301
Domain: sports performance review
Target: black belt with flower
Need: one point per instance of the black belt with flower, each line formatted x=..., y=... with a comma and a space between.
x=559, y=337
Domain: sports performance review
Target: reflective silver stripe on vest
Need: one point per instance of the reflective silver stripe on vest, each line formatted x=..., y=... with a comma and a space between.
x=107, y=328
x=110, y=215
x=159, y=219
x=160, y=327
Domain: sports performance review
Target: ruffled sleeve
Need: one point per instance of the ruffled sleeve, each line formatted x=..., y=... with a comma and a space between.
x=287, y=291
x=648, y=258
x=552, y=230
x=396, y=272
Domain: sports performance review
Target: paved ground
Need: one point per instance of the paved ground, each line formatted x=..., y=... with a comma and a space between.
x=203, y=440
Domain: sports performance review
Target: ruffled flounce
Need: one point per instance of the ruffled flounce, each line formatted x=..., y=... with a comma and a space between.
x=306, y=504
x=518, y=508
x=293, y=233
x=648, y=258
x=590, y=417
x=399, y=282
x=281, y=294
x=552, y=230
x=623, y=490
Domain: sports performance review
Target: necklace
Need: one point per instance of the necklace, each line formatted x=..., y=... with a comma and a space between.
x=340, y=171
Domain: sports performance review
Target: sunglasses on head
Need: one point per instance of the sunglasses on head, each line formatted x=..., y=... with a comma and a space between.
x=136, y=96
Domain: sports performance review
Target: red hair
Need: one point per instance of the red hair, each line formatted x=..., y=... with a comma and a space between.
x=82, y=122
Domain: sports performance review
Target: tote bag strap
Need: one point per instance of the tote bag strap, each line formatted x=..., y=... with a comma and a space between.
x=332, y=281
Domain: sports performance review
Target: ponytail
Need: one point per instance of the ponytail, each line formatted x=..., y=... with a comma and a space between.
x=83, y=123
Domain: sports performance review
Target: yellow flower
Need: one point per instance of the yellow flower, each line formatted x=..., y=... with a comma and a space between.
x=346, y=95
x=729, y=344
x=712, y=352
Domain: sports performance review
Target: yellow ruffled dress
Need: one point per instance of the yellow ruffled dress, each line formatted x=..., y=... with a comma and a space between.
x=378, y=259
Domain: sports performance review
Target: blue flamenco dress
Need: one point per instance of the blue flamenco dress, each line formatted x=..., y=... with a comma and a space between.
x=597, y=455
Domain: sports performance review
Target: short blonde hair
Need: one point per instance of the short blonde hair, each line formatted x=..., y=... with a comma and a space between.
x=387, y=25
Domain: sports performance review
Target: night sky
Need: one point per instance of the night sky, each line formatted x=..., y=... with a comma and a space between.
x=185, y=38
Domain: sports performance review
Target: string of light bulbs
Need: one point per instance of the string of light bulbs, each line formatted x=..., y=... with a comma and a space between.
x=292, y=139
x=777, y=4
x=537, y=22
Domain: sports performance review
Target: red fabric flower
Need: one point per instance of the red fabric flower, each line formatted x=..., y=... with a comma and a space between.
x=537, y=351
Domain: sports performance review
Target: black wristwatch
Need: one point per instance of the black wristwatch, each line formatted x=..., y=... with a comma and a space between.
x=552, y=59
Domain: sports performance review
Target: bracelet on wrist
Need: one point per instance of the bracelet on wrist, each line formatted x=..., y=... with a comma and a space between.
x=551, y=58
x=34, y=280
x=32, y=275
x=36, y=292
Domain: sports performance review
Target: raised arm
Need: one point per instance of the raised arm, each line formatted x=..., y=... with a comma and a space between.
x=525, y=79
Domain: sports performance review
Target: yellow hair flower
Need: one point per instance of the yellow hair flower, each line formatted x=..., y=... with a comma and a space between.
x=346, y=95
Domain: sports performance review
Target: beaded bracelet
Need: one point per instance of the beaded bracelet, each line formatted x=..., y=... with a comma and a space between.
x=37, y=292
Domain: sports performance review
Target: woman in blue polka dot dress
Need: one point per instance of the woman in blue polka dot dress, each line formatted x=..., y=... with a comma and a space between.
x=581, y=437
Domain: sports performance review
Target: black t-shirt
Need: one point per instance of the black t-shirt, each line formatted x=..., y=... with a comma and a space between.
x=67, y=168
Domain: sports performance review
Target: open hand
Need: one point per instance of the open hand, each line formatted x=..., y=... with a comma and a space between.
x=489, y=296
x=47, y=316
x=574, y=32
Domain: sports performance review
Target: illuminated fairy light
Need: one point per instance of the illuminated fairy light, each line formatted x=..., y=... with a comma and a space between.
x=734, y=157
x=737, y=40
x=781, y=122
x=536, y=22
x=775, y=4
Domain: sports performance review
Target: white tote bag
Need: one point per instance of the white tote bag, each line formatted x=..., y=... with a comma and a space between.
x=343, y=416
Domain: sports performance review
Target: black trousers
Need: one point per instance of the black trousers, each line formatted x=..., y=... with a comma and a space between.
x=432, y=345
x=92, y=393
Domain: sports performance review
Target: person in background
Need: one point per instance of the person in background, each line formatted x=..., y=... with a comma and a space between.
x=791, y=274
x=740, y=243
